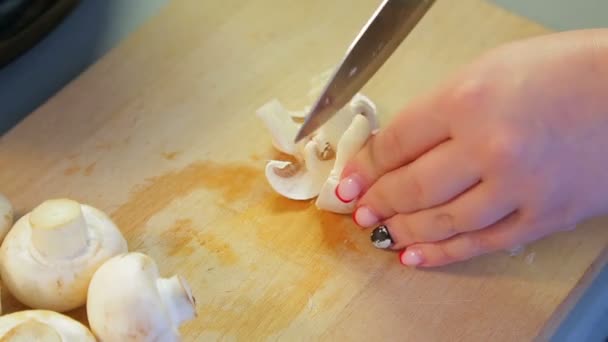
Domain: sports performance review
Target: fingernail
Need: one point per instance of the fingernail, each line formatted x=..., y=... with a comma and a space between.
x=411, y=257
x=365, y=217
x=348, y=189
x=381, y=237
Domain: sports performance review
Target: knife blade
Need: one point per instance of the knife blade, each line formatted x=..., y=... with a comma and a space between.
x=392, y=21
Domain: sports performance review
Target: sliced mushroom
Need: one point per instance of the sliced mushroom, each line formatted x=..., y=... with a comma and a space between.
x=296, y=181
x=331, y=132
x=129, y=301
x=50, y=255
x=351, y=142
x=282, y=127
x=321, y=151
x=43, y=326
x=6, y=216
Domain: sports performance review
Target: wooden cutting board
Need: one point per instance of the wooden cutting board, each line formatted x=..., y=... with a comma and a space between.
x=161, y=134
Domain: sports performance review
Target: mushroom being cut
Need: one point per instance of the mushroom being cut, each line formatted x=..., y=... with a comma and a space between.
x=318, y=160
x=49, y=256
x=6, y=216
x=43, y=326
x=129, y=301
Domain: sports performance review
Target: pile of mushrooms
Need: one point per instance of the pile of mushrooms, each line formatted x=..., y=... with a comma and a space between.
x=318, y=160
x=64, y=254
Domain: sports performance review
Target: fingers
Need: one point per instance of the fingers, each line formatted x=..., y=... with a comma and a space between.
x=438, y=176
x=503, y=235
x=479, y=207
x=413, y=132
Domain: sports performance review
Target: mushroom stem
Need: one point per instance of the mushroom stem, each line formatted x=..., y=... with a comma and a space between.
x=352, y=141
x=177, y=298
x=58, y=228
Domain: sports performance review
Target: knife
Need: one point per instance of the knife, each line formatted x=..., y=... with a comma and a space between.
x=375, y=43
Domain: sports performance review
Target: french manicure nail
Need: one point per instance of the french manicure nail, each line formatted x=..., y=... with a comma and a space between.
x=381, y=237
x=365, y=217
x=348, y=189
x=411, y=257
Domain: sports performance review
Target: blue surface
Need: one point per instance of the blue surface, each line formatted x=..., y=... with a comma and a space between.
x=97, y=25
x=86, y=34
x=561, y=15
x=588, y=321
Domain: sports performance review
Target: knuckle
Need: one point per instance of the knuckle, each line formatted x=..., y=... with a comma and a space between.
x=384, y=146
x=504, y=149
x=382, y=198
x=448, y=256
x=444, y=224
x=477, y=244
x=401, y=230
x=416, y=192
x=471, y=94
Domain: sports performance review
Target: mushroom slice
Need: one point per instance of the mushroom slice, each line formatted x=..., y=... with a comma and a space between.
x=351, y=142
x=49, y=256
x=42, y=325
x=6, y=216
x=331, y=132
x=129, y=301
x=296, y=181
x=281, y=126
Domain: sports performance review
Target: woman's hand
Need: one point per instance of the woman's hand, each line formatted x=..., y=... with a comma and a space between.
x=512, y=148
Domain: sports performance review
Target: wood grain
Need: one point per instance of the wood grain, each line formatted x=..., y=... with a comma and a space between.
x=161, y=134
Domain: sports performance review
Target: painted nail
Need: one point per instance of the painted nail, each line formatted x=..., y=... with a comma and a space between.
x=381, y=238
x=365, y=217
x=348, y=189
x=411, y=257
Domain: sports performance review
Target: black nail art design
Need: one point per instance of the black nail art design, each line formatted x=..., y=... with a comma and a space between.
x=381, y=238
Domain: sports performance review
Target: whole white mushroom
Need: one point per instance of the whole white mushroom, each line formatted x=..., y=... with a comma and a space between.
x=49, y=256
x=6, y=216
x=129, y=301
x=42, y=326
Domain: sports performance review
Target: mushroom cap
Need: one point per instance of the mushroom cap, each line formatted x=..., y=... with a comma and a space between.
x=42, y=325
x=124, y=302
x=6, y=216
x=60, y=285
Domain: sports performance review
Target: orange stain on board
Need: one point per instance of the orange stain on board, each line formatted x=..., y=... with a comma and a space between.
x=337, y=231
x=182, y=238
x=282, y=223
x=333, y=231
x=255, y=157
x=104, y=146
x=232, y=181
x=170, y=155
x=279, y=302
x=72, y=170
x=89, y=169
